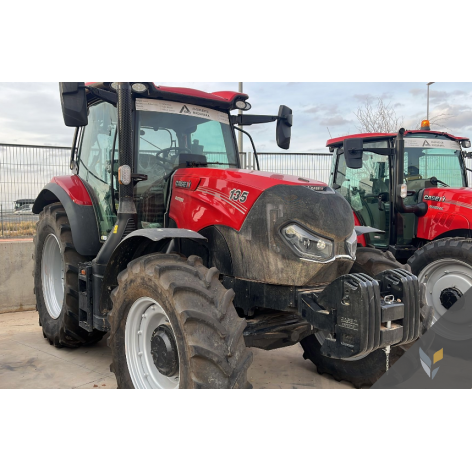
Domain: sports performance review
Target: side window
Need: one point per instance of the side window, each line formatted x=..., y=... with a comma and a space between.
x=97, y=164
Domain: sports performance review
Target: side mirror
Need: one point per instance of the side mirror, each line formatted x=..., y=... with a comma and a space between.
x=74, y=103
x=284, y=127
x=353, y=152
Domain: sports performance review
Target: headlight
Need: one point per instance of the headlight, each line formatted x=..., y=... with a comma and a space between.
x=351, y=244
x=307, y=245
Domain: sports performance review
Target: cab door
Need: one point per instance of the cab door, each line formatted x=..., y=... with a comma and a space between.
x=367, y=190
x=97, y=163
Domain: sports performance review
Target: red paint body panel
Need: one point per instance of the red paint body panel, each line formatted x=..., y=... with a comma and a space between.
x=223, y=96
x=337, y=141
x=456, y=213
x=208, y=202
x=74, y=187
x=361, y=238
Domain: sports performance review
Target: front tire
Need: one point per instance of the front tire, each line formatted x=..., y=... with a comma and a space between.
x=56, y=280
x=173, y=325
x=445, y=267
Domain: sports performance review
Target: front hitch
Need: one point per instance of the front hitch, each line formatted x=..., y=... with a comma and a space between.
x=363, y=314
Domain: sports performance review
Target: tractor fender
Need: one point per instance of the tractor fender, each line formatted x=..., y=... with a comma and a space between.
x=83, y=223
x=138, y=243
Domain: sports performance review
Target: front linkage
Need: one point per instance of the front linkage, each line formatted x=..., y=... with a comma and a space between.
x=363, y=314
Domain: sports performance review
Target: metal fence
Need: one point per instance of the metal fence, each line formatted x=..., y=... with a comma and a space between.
x=308, y=165
x=24, y=170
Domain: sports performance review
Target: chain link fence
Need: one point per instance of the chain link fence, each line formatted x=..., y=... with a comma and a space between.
x=25, y=170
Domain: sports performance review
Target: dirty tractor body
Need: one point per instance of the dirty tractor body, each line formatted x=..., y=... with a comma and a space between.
x=160, y=238
x=412, y=186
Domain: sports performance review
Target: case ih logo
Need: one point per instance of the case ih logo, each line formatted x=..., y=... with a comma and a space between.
x=184, y=109
x=426, y=362
x=434, y=198
x=183, y=184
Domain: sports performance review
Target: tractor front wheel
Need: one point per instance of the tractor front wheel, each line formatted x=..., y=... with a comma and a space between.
x=56, y=280
x=173, y=325
x=445, y=267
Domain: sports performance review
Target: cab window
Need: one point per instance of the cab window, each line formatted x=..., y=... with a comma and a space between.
x=97, y=164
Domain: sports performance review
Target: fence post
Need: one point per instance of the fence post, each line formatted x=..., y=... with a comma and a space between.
x=1, y=216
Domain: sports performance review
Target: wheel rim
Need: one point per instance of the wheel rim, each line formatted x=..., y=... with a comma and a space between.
x=322, y=335
x=52, y=276
x=145, y=317
x=441, y=276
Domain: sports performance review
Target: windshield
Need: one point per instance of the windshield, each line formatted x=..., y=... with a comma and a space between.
x=430, y=156
x=172, y=135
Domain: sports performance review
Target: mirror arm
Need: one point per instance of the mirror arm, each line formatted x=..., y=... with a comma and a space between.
x=253, y=147
x=109, y=97
x=381, y=151
x=248, y=120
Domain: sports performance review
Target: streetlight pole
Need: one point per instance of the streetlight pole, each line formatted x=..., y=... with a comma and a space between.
x=240, y=134
x=427, y=105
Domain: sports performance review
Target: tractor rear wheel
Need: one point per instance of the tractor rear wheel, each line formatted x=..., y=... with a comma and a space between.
x=56, y=280
x=363, y=370
x=173, y=325
x=445, y=267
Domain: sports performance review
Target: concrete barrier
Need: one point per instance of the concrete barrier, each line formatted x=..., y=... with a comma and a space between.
x=16, y=279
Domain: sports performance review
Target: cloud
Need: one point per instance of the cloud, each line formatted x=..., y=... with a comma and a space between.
x=417, y=92
x=336, y=120
x=364, y=97
x=327, y=109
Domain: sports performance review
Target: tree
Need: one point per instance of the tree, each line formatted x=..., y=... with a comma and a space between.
x=379, y=118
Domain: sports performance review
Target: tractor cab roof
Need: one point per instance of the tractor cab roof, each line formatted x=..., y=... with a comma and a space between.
x=223, y=100
x=335, y=142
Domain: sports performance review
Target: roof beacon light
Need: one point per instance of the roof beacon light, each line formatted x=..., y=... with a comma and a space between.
x=139, y=88
x=425, y=125
x=243, y=105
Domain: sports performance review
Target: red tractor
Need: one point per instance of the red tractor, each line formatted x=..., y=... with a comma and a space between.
x=412, y=186
x=162, y=240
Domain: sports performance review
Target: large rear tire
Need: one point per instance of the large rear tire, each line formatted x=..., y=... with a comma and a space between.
x=173, y=325
x=364, y=370
x=445, y=267
x=56, y=280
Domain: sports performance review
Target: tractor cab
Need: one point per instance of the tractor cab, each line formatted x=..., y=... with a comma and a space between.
x=390, y=195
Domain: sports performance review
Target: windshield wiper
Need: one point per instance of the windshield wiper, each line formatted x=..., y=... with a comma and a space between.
x=151, y=143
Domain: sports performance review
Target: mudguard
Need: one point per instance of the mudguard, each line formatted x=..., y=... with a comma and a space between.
x=137, y=244
x=83, y=223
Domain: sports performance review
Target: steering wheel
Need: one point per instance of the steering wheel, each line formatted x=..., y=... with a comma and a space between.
x=165, y=162
x=173, y=148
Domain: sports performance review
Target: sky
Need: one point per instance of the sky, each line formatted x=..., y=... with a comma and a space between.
x=30, y=113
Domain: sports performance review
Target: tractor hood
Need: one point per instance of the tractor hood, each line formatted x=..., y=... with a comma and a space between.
x=457, y=197
x=250, y=211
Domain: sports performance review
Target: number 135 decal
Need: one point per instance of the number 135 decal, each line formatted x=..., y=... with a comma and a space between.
x=237, y=195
